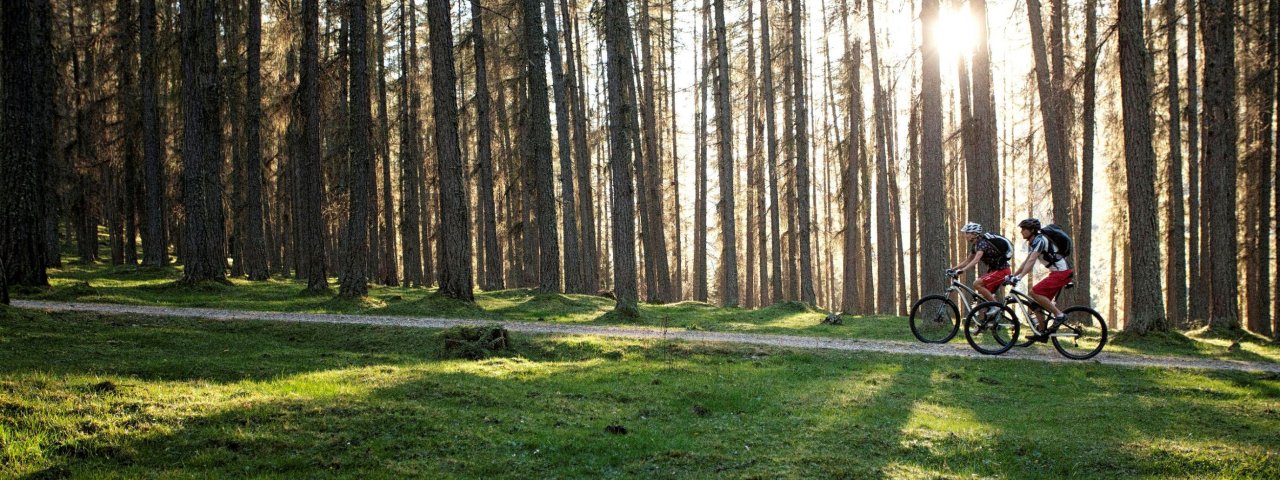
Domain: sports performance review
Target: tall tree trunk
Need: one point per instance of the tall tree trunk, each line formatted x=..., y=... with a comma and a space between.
x=753, y=249
x=651, y=218
x=617, y=32
x=1147, y=314
x=127, y=101
x=455, y=233
x=154, y=243
x=700, y=168
x=539, y=138
x=1198, y=305
x=1274, y=59
x=1220, y=160
x=204, y=255
x=724, y=156
x=573, y=281
x=582, y=160
x=854, y=235
x=390, y=266
x=410, y=156
x=885, y=235
x=27, y=82
x=1061, y=172
x=492, y=279
x=802, y=158
x=355, y=281
x=255, y=248
x=311, y=231
x=1084, y=237
x=1176, y=275
x=771, y=152
x=1262, y=107
x=984, y=184
x=932, y=227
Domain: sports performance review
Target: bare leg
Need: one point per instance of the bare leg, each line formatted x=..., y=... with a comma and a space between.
x=982, y=290
x=1049, y=306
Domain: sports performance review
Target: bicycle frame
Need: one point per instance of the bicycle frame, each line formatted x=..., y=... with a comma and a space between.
x=1021, y=299
x=967, y=293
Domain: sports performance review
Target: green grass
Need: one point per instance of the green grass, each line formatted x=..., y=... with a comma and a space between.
x=156, y=286
x=96, y=396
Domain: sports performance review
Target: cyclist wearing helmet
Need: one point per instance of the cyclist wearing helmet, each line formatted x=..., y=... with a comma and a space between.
x=984, y=249
x=1059, y=273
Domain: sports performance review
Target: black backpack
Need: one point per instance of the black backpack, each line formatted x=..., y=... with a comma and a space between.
x=1001, y=244
x=1061, y=241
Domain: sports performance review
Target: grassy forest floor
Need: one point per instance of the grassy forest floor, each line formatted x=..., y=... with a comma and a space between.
x=104, y=396
x=156, y=286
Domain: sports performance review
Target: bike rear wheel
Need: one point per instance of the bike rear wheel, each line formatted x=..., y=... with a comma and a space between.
x=991, y=328
x=1082, y=335
x=935, y=319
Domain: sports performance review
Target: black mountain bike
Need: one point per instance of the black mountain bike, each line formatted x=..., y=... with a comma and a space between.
x=936, y=318
x=1079, y=337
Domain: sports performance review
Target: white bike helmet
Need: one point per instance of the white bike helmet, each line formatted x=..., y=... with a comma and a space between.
x=971, y=228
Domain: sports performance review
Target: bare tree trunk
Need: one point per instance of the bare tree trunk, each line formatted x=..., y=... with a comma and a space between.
x=154, y=243
x=1220, y=160
x=885, y=273
x=1274, y=59
x=1176, y=275
x=573, y=281
x=1198, y=305
x=1084, y=237
x=1147, y=314
x=1261, y=107
x=254, y=254
x=492, y=279
x=582, y=160
x=390, y=266
x=455, y=234
x=771, y=147
x=802, y=158
x=984, y=184
x=27, y=82
x=540, y=148
x=1060, y=170
x=724, y=156
x=854, y=235
x=932, y=228
x=651, y=217
x=700, y=169
x=205, y=237
x=618, y=31
x=411, y=240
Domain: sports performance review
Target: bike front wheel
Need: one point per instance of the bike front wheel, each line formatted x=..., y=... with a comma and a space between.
x=935, y=319
x=991, y=328
x=1082, y=335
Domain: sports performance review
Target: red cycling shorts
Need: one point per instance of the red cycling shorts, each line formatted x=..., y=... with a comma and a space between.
x=991, y=281
x=1051, y=285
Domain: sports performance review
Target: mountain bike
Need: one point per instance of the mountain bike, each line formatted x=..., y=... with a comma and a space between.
x=1080, y=336
x=936, y=318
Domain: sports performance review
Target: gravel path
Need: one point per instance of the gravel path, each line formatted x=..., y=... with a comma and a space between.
x=954, y=349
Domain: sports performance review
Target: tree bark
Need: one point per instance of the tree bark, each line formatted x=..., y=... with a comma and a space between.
x=1198, y=305
x=27, y=79
x=154, y=243
x=582, y=160
x=1220, y=160
x=410, y=156
x=885, y=235
x=492, y=279
x=1084, y=237
x=455, y=234
x=355, y=281
x=539, y=148
x=724, y=156
x=204, y=255
x=1061, y=172
x=255, y=248
x=1176, y=274
x=311, y=231
x=984, y=181
x=390, y=266
x=802, y=158
x=1147, y=314
x=700, y=167
x=650, y=168
x=573, y=281
x=618, y=68
x=932, y=227
x=771, y=149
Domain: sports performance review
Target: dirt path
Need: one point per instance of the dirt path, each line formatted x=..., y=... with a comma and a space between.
x=953, y=349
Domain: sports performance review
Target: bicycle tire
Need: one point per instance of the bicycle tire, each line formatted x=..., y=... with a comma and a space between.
x=972, y=328
x=1101, y=324
x=918, y=330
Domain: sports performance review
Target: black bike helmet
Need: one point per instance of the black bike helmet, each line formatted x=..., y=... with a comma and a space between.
x=1031, y=223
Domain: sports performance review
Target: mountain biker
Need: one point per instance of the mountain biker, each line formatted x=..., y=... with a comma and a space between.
x=985, y=248
x=1060, y=274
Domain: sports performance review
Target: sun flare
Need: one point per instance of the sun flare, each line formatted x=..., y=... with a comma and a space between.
x=955, y=34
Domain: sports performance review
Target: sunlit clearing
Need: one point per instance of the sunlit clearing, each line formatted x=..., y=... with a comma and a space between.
x=955, y=34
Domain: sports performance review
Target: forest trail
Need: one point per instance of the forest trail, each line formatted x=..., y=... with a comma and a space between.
x=957, y=348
